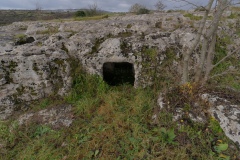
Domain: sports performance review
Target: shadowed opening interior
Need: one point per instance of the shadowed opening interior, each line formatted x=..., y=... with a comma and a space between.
x=118, y=73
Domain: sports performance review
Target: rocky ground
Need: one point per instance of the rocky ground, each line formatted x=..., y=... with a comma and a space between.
x=38, y=59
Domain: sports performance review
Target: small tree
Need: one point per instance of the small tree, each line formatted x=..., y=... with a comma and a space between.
x=206, y=38
x=92, y=9
x=38, y=7
x=160, y=6
x=136, y=7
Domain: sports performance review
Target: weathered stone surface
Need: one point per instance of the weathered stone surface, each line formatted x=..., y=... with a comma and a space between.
x=30, y=72
x=195, y=113
x=35, y=70
x=57, y=117
x=227, y=114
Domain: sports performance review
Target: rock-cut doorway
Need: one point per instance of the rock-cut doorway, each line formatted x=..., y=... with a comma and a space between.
x=118, y=73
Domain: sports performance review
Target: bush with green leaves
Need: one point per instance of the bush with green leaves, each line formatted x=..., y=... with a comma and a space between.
x=80, y=14
x=143, y=11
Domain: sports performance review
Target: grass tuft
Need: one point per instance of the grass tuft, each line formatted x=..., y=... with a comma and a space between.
x=91, y=18
x=193, y=17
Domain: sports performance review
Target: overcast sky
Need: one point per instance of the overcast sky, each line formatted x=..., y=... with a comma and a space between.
x=108, y=5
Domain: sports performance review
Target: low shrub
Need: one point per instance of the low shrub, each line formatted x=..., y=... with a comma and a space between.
x=80, y=14
x=143, y=11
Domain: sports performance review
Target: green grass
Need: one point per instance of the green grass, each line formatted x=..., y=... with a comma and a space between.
x=20, y=36
x=111, y=123
x=49, y=31
x=238, y=32
x=193, y=17
x=98, y=17
x=226, y=80
x=116, y=122
x=9, y=16
x=233, y=16
x=235, y=8
x=45, y=103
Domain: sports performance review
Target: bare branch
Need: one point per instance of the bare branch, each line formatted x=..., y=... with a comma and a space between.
x=225, y=73
x=93, y=6
x=233, y=4
x=186, y=56
x=136, y=7
x=224, y=58
x=160, y=5
x=38, y=7
x=208, y=33
x=93, y=9
x=189, y=3
x=210, y=55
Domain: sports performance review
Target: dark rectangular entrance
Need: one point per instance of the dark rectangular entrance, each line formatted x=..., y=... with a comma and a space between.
x=118, y=73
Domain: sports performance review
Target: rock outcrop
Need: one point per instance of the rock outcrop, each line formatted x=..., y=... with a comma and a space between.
x=58, y=116
x=224, y=111
x=227, y=114
x=36, y=57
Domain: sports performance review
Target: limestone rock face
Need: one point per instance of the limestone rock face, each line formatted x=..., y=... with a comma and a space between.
x=34, y=69
x=30, y=72
x=57, y=117
x=227, y=114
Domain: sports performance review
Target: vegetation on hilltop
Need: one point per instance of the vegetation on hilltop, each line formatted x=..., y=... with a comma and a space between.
x=10, y=16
